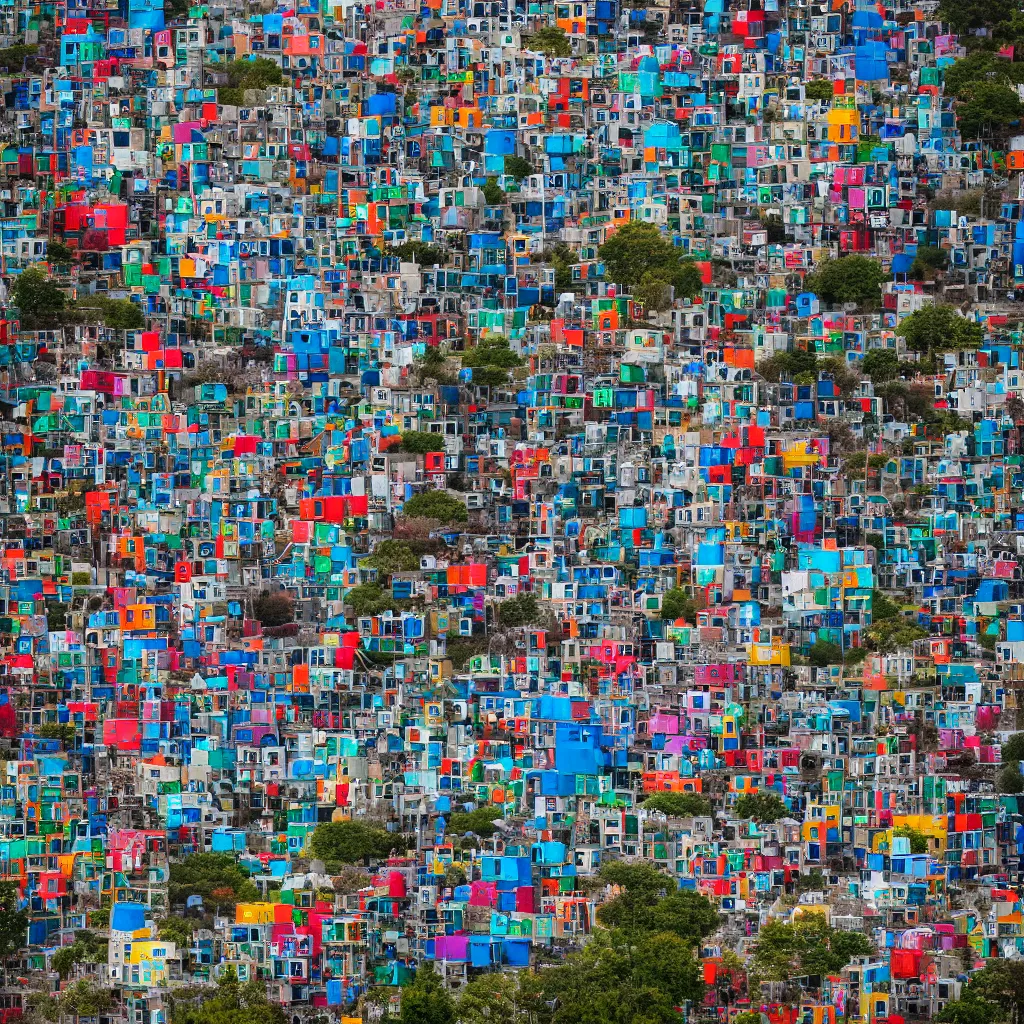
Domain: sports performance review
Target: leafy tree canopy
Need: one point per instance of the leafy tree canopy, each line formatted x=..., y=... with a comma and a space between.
x=435, y=505
x=638, y=253
x=426, y=1001
x=764, y=807
x=619, y=979
x=650, y=903
x=939, y=328
x=420, y=442
x=678, y=805
x=479, y=820
x=391, y=556
x=678, y=604
x=855, y=279
x=351, y=842
x=216, y=877
x=881, y=364
x=550, y=40
x=522, y=610
x=808, y=946
x=229, y=1003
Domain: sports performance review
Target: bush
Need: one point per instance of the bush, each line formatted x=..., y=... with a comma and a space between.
x=494, y=194
x=391, y=556
x=480, y=820
x=521, y=610
x=350, y=842
x=550, y=41
x=678, y=805
x=881, y=364
x=274, y=609
x=1010, y=780
x=854, y=279
x=763, y=807
x=420, y=442
x=820, y=89
x=435, y=505
x=369, y=599
x=939, y=328
x=677, y=604
x=517, y=167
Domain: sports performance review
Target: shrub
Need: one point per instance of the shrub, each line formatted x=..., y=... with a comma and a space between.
x=678, y=805
x=274, y=609
x=763, y=807
x=435, y=505
x=420, y=442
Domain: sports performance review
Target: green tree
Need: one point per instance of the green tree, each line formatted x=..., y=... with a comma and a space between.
x=423, y=253
x=245, y=73
x=479, y=820
x=491, y=350
x=883, y=607
x=1001, y=984
x=651, y=903
x=969, y=1009
x=824, y=653
x=854, y=279
x=928, y=260
x=654, y=294
x=518, y=167
x=59, y=254
x=426, y=1001
x=620, y=980
x=370, y=599
x=41, y=304
x=992, y=108
x=881, y=364
x=820, y=89
x=522, y=610
x=792, y=364
x=890, y=635
x=420, y=442
x=177, y=930
x=351, y=842
x=229, y=1003
x=216, y=877
x=1010, y=780
x=435, y=505
x=118, y=314
x=918, y=840
x=678, y=604
x=939, y=328
x=807, y=946
x=13, y=921
x=550, y=40
x=637, y=253
x=678, y=805
x=1012, y=750
x=494, y=194
x=84, y=999
x=87, y=948
x=763, y=807
x=274, y=609
x=391, y=556
x=496, y=998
